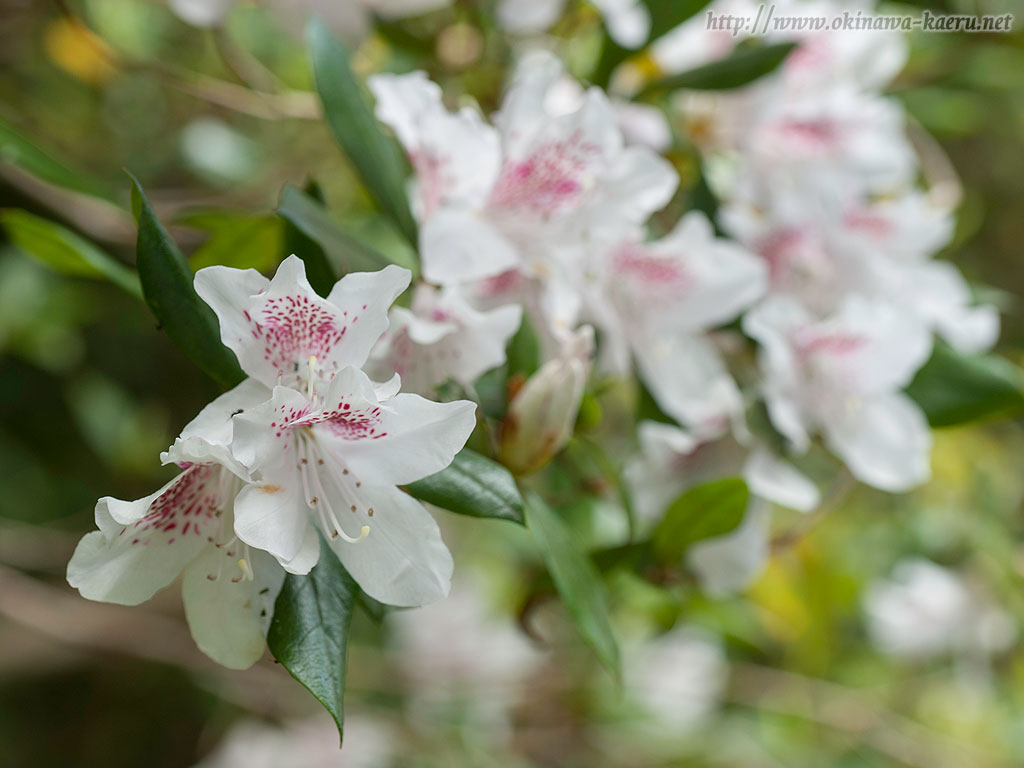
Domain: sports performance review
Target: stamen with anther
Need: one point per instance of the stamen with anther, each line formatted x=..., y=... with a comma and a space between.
x=318, y=499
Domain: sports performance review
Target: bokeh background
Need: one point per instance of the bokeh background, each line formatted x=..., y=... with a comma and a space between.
x=787, y=674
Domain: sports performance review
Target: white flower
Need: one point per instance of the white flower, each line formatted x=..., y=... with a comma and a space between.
x=442, y=656
x=677, y=679
x=328, y=446
x=926, y=610
x=628, y=21
x=313, y=743
x=844, y=376
x=443, y=337
x=672, y=460
x=655, y=301
x=186, y=527
x=542, y=414
x=519, y=198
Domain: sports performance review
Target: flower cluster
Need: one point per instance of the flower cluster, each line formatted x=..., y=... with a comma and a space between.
x=307, y=447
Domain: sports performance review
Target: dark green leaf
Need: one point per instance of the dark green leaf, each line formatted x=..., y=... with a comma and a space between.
x=322, y=276
x=309, y=632
x=247, y=243
x=344, y=253
x=64, y=251
x=167, y=286
x=472, y=485
x=349, y=112
x=955, y=389
x=576, y=580
x=523, y=350
x=744, y=66
x=17, y=150
x=666, y=15
x=704, y=512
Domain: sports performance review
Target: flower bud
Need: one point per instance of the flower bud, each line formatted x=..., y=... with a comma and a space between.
x=543, y=412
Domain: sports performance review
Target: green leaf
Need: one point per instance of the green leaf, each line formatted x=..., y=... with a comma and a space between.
x=167, y=286
x=576, y=580
x=344, y=253
x=704, y=512
x=666, y=15
x=472, y=485
x=374, y=154
x=249, y=242
x=744, y=66
x=321, y=274
x=954, y=389
x=17, y=150
x=309, y=632
x=523, y=351
x=64, y=251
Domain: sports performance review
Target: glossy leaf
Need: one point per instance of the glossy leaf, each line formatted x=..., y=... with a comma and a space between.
x=349, y=112
x=743, y=67
x=64, y=251
x=321, y=274
x=167, y=286
x=309, y=632
x=472, y=485
x=344, y=253
x=954, y=389
x=19, y=151
x=576, y=580
x=704, y=512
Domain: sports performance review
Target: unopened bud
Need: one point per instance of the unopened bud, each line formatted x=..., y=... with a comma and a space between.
x=543, y=412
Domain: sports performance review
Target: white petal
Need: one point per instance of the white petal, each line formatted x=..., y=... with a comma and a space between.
x=229, y=615
x=640, y=183
x=128, y=563
x=462, y=246
x=779, y=482
x=207, y=438
x=403, y=561
x=885, y=442
x=403, y=101
x=272, y=515
x=528, y=17
x=687, y=378
x=230, y=292
x=201, y=13
x=730, y=563
x=411, y=438
x=364, y=299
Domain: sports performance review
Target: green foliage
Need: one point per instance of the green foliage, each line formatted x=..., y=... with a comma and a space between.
x=375, y=155
x=343, y=253
x=472, y=485
x=321, y=275
x=168, y=289
x=744, y=66
x=704, y=512
x=577, y=581
x=955, y=389
x=64, y=251
x=310, y=630
x=242, y=242
x=18, y=151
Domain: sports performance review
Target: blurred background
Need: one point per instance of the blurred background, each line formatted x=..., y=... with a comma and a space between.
x=840, y=655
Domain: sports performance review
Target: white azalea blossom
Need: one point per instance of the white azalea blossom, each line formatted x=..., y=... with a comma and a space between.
x=370, y=742
x=672, y=460
x=443, y=337
x=511, y=204
x=328, y=446
x=655, y=301
x=186, y=528
x=844, y=376
x=628, y=21
x=926, y=610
